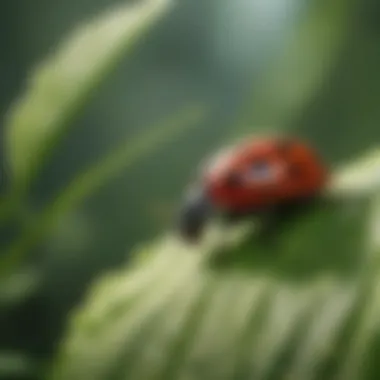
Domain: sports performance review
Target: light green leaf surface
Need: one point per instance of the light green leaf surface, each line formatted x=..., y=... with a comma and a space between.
x=358, y=178
x=300, y=310
x=63, y=84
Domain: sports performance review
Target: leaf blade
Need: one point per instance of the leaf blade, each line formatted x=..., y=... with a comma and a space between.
x=62, y=85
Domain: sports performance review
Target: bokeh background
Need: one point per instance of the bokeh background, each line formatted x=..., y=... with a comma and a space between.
x=306, y=66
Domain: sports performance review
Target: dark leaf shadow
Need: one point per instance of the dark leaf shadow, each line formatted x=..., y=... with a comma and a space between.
x=330, y=239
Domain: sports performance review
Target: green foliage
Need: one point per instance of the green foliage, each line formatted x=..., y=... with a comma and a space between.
x=18, y=286
x=15, y=365
x=63, y=84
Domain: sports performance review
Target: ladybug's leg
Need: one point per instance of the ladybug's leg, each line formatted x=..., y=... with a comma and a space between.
x=276, y=218
x=231, y=217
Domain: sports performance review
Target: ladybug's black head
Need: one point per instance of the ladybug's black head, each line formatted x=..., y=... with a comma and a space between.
x=194, y=214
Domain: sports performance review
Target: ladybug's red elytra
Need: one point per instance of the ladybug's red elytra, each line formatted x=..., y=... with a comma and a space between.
x=252, y=177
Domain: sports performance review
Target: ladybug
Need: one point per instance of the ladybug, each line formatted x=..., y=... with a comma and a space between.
x=267, y=177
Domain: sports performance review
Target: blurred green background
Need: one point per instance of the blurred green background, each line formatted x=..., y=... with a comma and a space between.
x=311, y=67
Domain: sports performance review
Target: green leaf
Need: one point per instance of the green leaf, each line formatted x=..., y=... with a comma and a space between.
x=358, y=179
x=231, y=308
x=62, y=85
x=86, y=183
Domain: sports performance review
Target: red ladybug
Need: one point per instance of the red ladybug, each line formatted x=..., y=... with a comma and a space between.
x=259, y=176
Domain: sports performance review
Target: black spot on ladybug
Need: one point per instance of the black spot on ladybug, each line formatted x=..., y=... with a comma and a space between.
x=233, y=180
